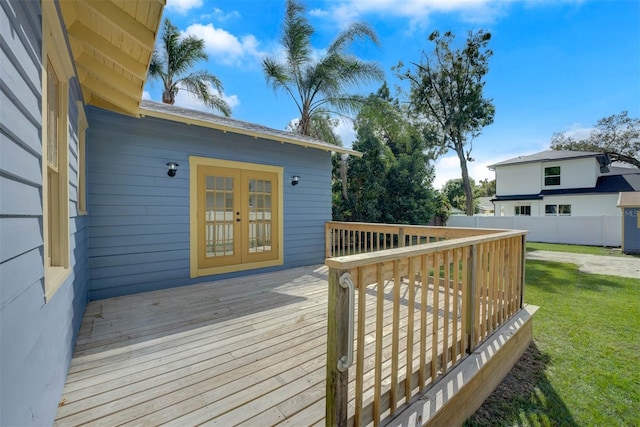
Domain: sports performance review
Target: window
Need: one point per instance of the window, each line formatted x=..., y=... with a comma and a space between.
x=552, y=175
x=236, y=216
x=523, y=210
x=56, y=71
x=564, y=209
x=554, y=210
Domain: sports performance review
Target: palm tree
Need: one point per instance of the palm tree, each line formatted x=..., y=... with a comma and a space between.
x=172, y=65
x=317, y=85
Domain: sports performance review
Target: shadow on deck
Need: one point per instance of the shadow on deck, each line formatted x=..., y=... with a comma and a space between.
x=245, y=351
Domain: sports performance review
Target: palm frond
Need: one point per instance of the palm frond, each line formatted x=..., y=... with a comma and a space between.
x=297, y=34
x=172, y=62
x=196, y=85
x=315, y=85
x=356, y=31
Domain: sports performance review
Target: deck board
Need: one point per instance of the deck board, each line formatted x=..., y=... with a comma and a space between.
x=248, y=351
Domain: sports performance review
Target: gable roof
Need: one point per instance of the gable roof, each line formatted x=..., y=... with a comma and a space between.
x=225, y=124
x=112, y=44
x=547, y=156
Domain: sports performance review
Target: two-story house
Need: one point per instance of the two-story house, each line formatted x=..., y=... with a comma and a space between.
x=561, y=183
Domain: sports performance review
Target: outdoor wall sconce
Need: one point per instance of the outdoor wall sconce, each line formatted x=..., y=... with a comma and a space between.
x=173, y=168
x=295, y=180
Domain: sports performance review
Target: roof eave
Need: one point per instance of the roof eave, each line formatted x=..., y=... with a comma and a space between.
x=112, y=59
x=225, y=128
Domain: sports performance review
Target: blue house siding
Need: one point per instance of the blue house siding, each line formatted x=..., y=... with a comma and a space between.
x=631, y=230
x=139, y=222
x=36, y=337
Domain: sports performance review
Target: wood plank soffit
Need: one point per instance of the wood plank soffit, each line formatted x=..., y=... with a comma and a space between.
x=93, y=40
x=107, y=75
x=125, y=102
x=125, y=22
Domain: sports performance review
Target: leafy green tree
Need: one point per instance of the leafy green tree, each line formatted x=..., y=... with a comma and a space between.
x=318, y=85
x=172, y=62
x=447, y=90
x=618, y=135
x=391, y=183
x=453, y=191
x=485, y=188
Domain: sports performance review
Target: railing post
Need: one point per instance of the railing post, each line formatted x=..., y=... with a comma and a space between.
x=327, y=240
x=522, y=268
x=471, y=294
x=338, y=326
x=401, y=237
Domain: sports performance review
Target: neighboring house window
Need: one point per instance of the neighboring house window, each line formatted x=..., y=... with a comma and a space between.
x=523, y=211
x=564, y=209
x=554, y=210
x=236, y=216
x=552, y=175
x=56, y=71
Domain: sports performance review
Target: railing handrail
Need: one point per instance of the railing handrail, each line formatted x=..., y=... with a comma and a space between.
x=358, y=260
x=371, y=226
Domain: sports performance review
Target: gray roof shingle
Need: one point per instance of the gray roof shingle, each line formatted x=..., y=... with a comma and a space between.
x=546, y=156
x=226, y=124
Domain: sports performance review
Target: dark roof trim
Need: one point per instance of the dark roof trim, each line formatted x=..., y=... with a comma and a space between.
x=517, y=197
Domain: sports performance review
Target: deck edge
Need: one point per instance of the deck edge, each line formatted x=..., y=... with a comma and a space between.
x=460, y=393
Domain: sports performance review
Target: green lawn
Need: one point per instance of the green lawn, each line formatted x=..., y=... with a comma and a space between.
x=583, y=368
x=578, y=249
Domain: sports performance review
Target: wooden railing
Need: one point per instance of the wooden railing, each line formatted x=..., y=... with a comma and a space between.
x=348, y=238
x=419, y=310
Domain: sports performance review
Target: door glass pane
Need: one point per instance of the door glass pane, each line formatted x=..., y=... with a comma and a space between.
x=219, y=216
x=259, y=215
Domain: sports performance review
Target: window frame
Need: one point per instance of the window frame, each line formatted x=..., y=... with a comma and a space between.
x=560, y=213
x=55, y=183
x=550, y=177
x=518, y=210
x=555, y=210
x=199, y=271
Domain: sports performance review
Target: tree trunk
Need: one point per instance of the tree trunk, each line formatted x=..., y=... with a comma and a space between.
x=304, y=127
x=168, y=97
x=466, y=183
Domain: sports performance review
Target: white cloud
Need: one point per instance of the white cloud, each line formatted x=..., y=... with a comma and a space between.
x=318, y=12
x=418, y=11
x=183, y=6
x=578, y=131
x=220, y=16
x=448, y=167
x=226, y=47
x=345, y=131
x=146, y=95
x=188, y=100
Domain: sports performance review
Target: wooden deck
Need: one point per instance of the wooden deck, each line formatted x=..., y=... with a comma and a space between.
x=247, y=351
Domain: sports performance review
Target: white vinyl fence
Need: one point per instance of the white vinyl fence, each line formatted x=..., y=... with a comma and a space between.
x=576, y=230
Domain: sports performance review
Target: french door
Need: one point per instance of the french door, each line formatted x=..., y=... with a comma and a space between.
x=237, y=216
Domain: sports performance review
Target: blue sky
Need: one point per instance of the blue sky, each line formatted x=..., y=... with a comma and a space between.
x=558, y=65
